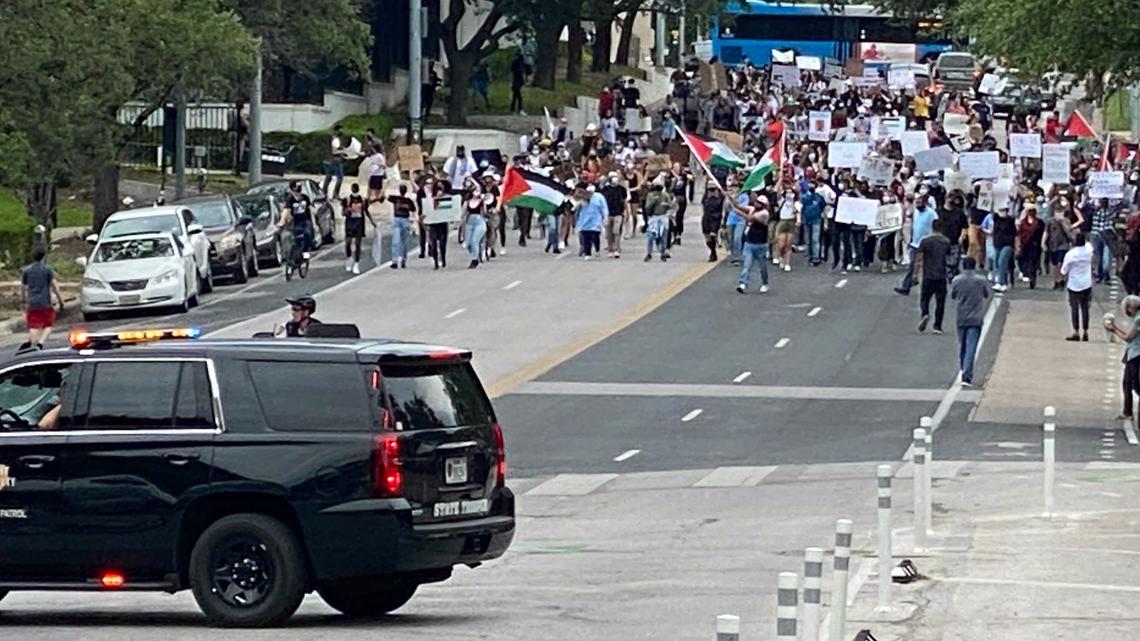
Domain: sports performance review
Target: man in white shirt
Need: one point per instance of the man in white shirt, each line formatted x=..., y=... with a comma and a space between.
x=609, y=127
x=1077, y=270
x=458, y=168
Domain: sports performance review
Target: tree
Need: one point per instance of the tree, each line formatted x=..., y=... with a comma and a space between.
x=308, y=37
x=500, y=19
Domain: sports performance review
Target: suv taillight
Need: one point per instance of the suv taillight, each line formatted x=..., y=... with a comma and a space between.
x=500, y=456
x=387, y=467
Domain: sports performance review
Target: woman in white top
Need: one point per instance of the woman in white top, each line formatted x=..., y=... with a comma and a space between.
x=377, y=169
x=786, y=229
x=1077, y=270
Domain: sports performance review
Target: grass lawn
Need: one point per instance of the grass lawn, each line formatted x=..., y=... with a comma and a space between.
x=72, y=213
x=62, y=257
x=1117, y=112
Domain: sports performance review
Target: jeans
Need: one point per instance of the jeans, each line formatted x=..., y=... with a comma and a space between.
x=303, y=237
x=754, y=253
x=841, y=245
x=590, y=242
x=613, y=234
x=736, y=240
x=908, y=279
x=438, y=245
x=333, y=168
x=968, y=338
x=474, y=232
x=937, y=289
x=551, y=222
x=812, y=231
x=1079, y=309
x=1004, y=256
x=1102, y=257
x=401, y=234
x=657, y=232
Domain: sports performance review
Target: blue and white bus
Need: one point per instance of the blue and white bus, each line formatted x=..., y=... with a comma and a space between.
x=858, y=31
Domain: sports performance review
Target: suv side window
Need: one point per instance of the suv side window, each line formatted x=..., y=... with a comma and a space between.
x=138, y=395
x=308, y=397
x=33, y=397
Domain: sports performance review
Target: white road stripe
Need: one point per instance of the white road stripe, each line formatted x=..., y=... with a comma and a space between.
x=743, y=375
x=626, y=455
x=691, y=415
x=841, y=284
x=1067, y=587
x=571, y=485
x=456, y=312
x=814, y=311
x=780, y=344
x=735, y=476
x=513, y=285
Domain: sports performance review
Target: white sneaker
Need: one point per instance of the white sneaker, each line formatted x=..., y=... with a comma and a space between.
x=356, y=268
x=775, y=261
x=858, y=268
x=740, y=288
x=501, y=252
x=990, y=277
x=347, y=264
x=763, y=289
x=787, y=268
x=561, y=244
x=585, y=258
x=1024, y=279
x=305, y=256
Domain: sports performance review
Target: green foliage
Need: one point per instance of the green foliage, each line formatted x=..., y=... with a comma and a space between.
x=1118, y=111
x=308, y=37
x=15, y=231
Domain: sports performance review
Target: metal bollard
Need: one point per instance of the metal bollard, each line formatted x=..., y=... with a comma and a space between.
x=727, y=627
x=1049, y=446
x=885, y=560
x=927, y=424
x=843, y=530
x=787, y=586
x=813, y=586
x=919, y=489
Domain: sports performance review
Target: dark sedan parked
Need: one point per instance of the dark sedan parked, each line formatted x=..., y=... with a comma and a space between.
x=265, y=210
x=233, y=249
x=322, y=208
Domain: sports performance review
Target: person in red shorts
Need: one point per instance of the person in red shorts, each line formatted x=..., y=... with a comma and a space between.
x=39, y=283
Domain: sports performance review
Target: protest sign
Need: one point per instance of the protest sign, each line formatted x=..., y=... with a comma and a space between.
x=934, y=159
x=846, y=154
x=810, y=63
x=819, y=126
x=679, y=152
x=713, y=77
x=956, y=180
x=1025, y=145
x=895, y=126
x=857, y=211
x=448, y=210
x=887, y=219
x=1055, y=164
x=657, y=163
x=1000, y=131
x=979, y=164
x=787, y=75
x=985, y=200
x=961, y=143
x=989, y=84
x=837, y=85
x=853, y=68
x=1002, y=191
x=1006, y=171
x=914, y=142
x=900, y=79
x=877, y=171
x=783, y=57
x=392, y=173
x=956, y=124
x=1106, y=184
x=865, y=81
x=734, y=140
x=832, y=70
x=410, y=158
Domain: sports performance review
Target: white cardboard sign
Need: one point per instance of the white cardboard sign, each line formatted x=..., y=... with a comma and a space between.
x=934, y=159
x=1025, y=145
x=846, y=154
x=857, y=211
x=1106, y=184
x=819, y=126
x=914, y=142
x=1055, y=164
x=979, y=164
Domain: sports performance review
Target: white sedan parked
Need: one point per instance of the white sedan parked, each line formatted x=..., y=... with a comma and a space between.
x=139, y=271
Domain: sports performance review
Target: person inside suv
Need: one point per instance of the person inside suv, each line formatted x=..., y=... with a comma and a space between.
x=31, y=399
x=303, y=309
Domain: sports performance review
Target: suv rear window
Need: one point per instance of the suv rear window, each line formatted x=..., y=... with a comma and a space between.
x=425, y=397
x=312, y=397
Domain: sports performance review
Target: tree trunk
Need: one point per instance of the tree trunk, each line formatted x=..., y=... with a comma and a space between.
x=106, y=199
x=40, y=205
x=574, y=43
x=625, y=40
x=603, y=39
x=461, y=68
x=546, y=41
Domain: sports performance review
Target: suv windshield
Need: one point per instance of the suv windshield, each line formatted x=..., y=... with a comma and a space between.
x=425, y=397
x=212, y=214
x=134, y=249
x=142, y=225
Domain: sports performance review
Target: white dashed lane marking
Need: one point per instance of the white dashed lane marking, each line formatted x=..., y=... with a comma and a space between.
x=456, y=312
x=783, y=342
x=743, y=375
x=691, y=415
x=814, y=311
x=626, y=455
x=513, y=285
x=841, y=284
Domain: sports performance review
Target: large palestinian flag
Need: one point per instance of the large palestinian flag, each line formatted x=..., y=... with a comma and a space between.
x=712, y=152
x=772, y=161
x=522, y=188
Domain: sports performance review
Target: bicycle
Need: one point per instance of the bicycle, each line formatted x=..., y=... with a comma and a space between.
x=297, y=262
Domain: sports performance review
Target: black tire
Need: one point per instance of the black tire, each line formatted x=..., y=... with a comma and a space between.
x=241, y=272
x=367, y=600
x=264, y=575
x=206, y=285
x=277, y=258
x=254, y=268
x=303, y=268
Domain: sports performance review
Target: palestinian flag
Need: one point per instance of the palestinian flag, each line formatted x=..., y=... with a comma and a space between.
x=771, y=162
x=1079, y=127
x=712, y=152
x=522, y=188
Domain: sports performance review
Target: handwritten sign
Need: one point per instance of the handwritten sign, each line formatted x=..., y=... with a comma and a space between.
x=787, y=75
x=985, y=200
x=894, y=126
x=900, y=79
x=410, y=158
x=657, y=164
x=979, y=164
x=819, y=126
x=810, y=63
x=989, y=84
x=1106, y=184
x=846, y=154
x=857, y=211
x=956, y=124
x=877, y=171
x=914, y=142
x=887, y=219
x=956, y=180
x=730, y=138
x=934, y=159
x=832, y=70
x=1055, y=164
x=1025, y=145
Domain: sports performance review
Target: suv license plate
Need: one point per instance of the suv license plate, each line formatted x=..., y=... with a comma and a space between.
x=455, y=471
x=461, y=508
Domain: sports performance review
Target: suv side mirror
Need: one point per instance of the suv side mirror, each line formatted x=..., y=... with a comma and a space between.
x=193, y=228
x=245, y=220
x=92, y=238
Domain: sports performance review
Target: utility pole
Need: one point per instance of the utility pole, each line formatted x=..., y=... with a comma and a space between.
x=415, y=70
x=681, y=37
x=255, y=122
x=659, y=38
x=179, y=143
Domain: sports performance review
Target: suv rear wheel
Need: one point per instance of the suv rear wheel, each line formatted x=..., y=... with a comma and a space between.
x=248, y=571
x=365, y=600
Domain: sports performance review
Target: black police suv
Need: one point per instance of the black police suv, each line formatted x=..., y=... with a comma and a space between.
x=248, y=471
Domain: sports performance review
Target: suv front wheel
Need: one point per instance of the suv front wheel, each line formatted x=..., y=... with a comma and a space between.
x=365, y=600
x=248, y=571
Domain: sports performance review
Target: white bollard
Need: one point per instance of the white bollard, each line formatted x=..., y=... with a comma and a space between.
x=919, y=490
x=885, y=560
x=813, y=586
x=927, y=424
x=787, y=586
x=1049, y=446
x=727, y=627
x=843, y=530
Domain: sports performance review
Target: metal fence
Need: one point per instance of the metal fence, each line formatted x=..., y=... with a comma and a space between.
x=212, y=131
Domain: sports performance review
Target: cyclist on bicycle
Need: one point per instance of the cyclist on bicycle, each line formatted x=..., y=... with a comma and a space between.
x=303, y=308
x=298, y=212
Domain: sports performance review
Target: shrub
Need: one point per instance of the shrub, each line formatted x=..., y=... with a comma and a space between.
x=311, y=147
x=16, y=240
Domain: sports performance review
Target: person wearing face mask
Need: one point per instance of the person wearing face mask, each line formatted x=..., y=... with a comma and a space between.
x=493, y=215
x=922, y=225
x=680, y=188
x=403, y=207
x=1030, y=243
x=786, y=228
x=812, y=205
x=842, y=252
x=459, y=168
x=713, y=209
x=437, y=232
x=354, y=213
x=657, y=206
x=635, y=184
